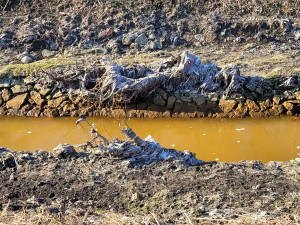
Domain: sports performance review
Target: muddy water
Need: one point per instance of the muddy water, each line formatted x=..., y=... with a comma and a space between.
x=211, y=139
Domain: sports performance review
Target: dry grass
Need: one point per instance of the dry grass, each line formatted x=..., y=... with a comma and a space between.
x=14, y=70
x=43, y=216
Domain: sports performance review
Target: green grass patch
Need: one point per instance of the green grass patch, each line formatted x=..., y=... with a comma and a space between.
x=16, y=70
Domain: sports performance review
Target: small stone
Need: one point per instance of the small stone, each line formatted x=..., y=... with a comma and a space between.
x=42, y=90
x=141, y=39
x=289, y=106
x=252, y=105
x=128, y=39
x=64, y=151
x=276, y=100
x=36, y=97
x=162, y=93
x=46, y=53
x=227, y=105
x=6, y=95
x=17, y=101
x=170, y=102
x=264, y=105
x=141, y=106
x=297, y=35
x=26, y=59
x=159, y=101
x=136, y=197
x=297, y=94
x=200, y=100
x=178, y=106
x=54, y=103
x=155, y=45
x=4, y=83
x=151, y=37
x=19, y=89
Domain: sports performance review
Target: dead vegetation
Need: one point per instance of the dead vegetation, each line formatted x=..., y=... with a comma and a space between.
x=89, y=217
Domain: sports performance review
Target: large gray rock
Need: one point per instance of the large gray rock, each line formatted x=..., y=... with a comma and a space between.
x=64, y=151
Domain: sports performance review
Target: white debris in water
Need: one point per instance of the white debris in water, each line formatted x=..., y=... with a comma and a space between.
x=240, y=129
x=213, y=153
x=217, y=159
x=190, y=127
x=29, y=132
x=173, y=145
x=238, y=141
x=204, y=134
x=298, y=147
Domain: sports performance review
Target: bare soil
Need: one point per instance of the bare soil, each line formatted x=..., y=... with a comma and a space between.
x=105, y=182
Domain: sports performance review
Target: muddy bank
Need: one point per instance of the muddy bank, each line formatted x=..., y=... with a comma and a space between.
x=104, y=181
x=174, y=87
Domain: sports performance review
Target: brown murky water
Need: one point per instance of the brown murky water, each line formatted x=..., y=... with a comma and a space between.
x=211, y=139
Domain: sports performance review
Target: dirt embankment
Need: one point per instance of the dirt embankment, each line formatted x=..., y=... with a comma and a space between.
x=98, y=181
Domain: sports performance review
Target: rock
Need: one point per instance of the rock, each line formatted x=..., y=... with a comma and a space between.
x=240, y=111
x=252, y=105
x=58, y=94
x=34, y=112
x=36, y=97
x=54, y=103
x=4, y=83
x=162, y=93
x=289, y=106
x=136, y=197
x=276, y=100
x=266, y=104
x=297, y=95
x=155, y=45
x=277, y=110
x=64, y=151
x=26, y=59
x=1, y=100
x=6, y=95
x=46, y=53
x=170, y=102
x=186, y=98
x=199, y=99
x=141, y=106
x=42, y=90
x=151, y=37
x=159, y=101
x=128, y=39
x=141, y=40
x=178, y=106
x=227, y=105
x=17, y=101
x=17, y=89
x=297, y=35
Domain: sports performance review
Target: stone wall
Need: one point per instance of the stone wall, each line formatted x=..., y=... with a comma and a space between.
x=23, y=97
